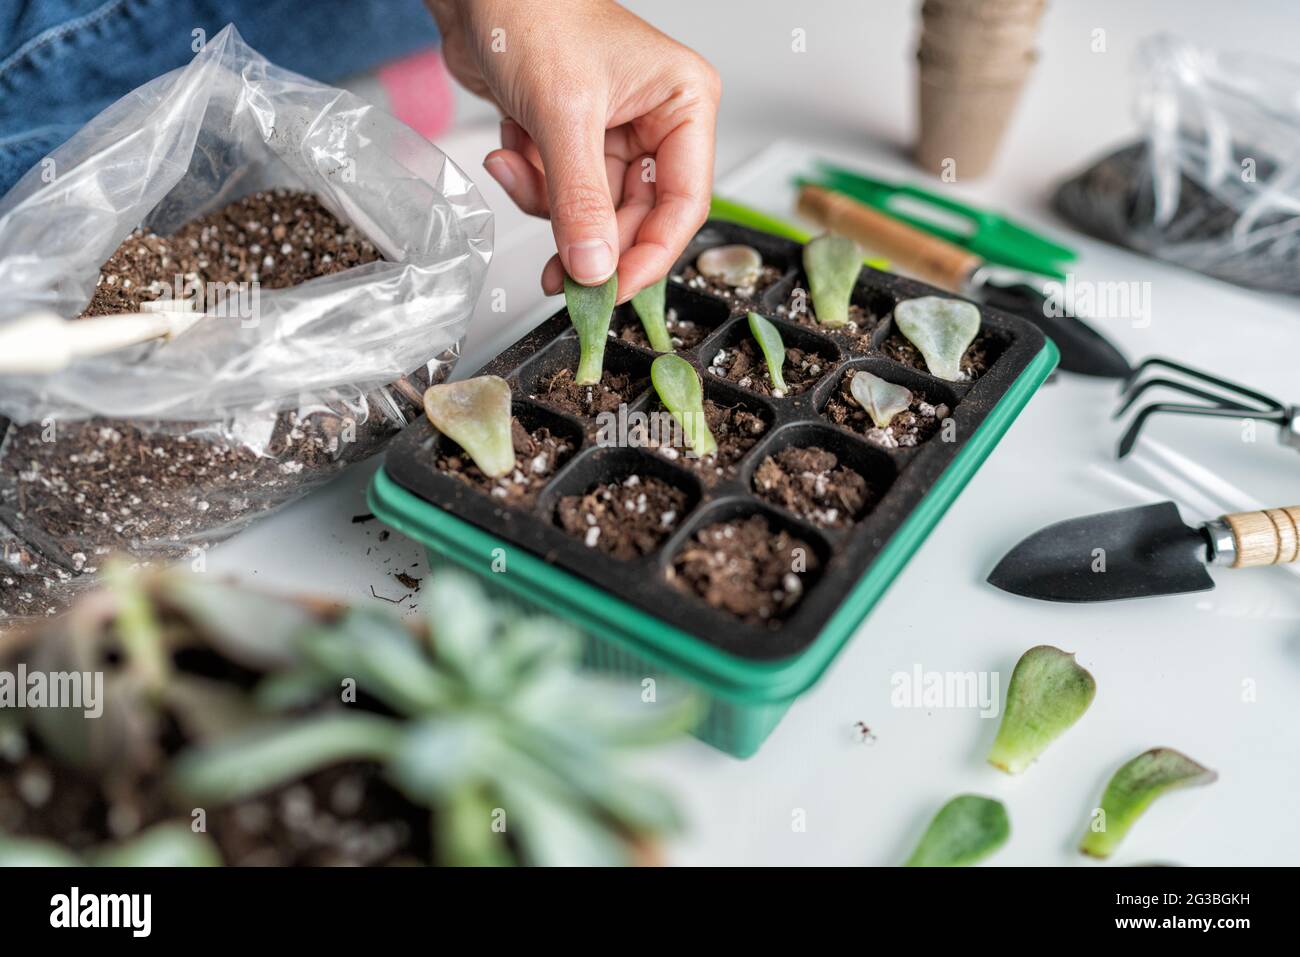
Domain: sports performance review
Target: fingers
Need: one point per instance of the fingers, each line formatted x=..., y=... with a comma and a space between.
x=520, y=179
x=683, y=173
x=572, y=148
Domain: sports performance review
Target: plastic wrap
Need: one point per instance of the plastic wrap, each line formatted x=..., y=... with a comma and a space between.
x=1214, y=184
x=159, y=450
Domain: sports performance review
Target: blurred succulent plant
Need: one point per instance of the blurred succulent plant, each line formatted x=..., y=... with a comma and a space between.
x=649, y=306
x=679, y=388
x=491, y=727
x=832, y=264
x=770, y=344
x=165, y=845
x=590, y=310
x=142, y=631
x=941, y=329
x=475, y=413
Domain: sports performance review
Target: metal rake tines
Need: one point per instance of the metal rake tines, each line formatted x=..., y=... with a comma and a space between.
x=1231, y=401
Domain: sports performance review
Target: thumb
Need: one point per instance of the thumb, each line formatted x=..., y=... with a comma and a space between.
x=572, y=149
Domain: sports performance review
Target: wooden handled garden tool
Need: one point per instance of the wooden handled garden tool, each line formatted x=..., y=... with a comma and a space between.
x=1143, y=551
x=43, y=342
x=939, y=262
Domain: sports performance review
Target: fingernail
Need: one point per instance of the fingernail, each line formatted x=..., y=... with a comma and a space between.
x=591, y=260
x=501, y=172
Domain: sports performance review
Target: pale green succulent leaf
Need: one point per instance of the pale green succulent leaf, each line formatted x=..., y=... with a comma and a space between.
x=649, y=306
x=880, y=399
x=267, y=757
x=256, y=630
x=590, y=310
x=1049, y=691
x=554, y=833
x=966, y=830
x=832, y=264
x=165, y=845
x=736, y=265
x=679, y=388
x=475, y=414
x=1131, y=791
x=942, y=330
x=385, y=660
x=34, y=852
x=768, y=337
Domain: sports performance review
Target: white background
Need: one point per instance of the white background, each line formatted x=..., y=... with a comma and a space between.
x=1169, y=671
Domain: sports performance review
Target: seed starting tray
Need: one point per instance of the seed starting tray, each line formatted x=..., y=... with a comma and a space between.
x=643, y=623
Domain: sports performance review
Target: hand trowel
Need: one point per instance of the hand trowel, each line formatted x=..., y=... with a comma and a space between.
x=1143, y=551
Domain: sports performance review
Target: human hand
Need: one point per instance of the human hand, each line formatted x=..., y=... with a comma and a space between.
x=608, y=129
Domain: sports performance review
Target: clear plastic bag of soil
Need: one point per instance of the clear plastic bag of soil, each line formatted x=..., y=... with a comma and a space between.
x=1214, y=185
x=158, y=450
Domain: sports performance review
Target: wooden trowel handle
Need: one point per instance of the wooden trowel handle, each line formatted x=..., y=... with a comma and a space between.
x=1270, y=537
x=927, y=257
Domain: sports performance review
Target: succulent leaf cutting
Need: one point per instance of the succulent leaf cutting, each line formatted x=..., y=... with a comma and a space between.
x=679, y=388
x=832, y=264
x=882, y=400
x=649, y=306
x=475, y=413
x=769, y=342
x=590, y=310
x=941, y=329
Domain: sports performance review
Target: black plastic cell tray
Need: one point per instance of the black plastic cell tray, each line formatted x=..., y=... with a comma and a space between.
x=907, y=474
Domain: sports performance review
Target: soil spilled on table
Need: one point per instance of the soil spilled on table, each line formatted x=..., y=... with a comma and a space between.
x=538, y=455
x=811, y=483
x=736, y=430
x=744, y=365
x=587, y=401
x=624, y=519
x=906, y=430
x=745, y=568
x=684, y=333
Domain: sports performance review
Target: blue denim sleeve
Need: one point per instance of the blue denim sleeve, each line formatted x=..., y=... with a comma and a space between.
x=62, y=61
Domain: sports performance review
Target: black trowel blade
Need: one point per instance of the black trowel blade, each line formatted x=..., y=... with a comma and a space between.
x=1129, y=553
x=1084, y=350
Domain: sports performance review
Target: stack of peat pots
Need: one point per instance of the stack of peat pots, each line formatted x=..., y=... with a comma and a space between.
x=974, y=58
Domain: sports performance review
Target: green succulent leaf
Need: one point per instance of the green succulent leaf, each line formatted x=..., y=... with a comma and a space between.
x=832, y=264
x=882, y=400
x=768, y=337
x=385, y=660
x=590, y=309
x=256, y=630
x=941, y=329
x=679, y=388
x=475, y=413
x=165, y=845
x=965, y=831
x=649, y=306
x=737, y=266
x=34, y=852
x=266, y=757
x=1049, y=691
x=1131, y=791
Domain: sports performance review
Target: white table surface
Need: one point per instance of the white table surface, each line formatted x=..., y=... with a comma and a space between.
x=1169, y=671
